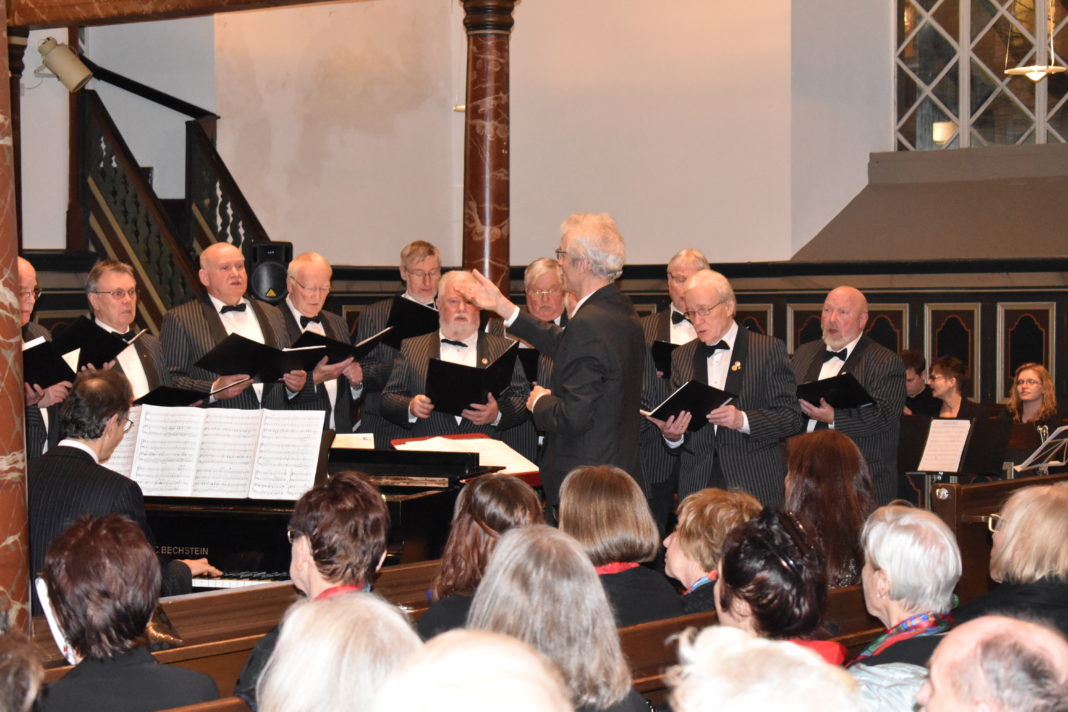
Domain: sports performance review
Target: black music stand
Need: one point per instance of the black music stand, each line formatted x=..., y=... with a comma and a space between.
x=983, y=455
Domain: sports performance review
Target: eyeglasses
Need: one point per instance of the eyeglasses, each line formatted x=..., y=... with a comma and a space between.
x=424, y=273
x=120, y=293
x=292, y=535
x=935, y=377
x=544, y=292
x=34, y=294
x=993, y=522
x=317, y=290
x=700, y=311
x=1028, y=382
x=560, y=254
x=127, y=425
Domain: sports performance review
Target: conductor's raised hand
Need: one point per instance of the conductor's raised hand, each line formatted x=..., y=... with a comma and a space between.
x=482, y=413
x=484, y=294
x=421, y=406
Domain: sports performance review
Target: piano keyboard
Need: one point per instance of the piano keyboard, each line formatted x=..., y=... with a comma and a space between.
x=237, y=579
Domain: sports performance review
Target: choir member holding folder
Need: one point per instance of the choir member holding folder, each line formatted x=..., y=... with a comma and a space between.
x=192, y=330
x=738, y=445
x=42, y=399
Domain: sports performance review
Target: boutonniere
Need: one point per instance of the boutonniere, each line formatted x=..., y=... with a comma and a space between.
x=736, y=366
x=485, y=360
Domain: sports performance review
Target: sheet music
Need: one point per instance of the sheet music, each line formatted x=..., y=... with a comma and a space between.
x=121, y=459
x=490, y=451
x=165, y=457
x=227, y=449
x=354, y=441
x=71, y=358
x=945, y=445
x=288, y=454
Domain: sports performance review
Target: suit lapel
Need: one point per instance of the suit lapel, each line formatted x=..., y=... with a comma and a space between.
x=816, y=365
x=739, y=354
x=213, y=322
x=663, y=327
x=857, y=355
x=700, y=363
x=146, y=364
x=269, y=337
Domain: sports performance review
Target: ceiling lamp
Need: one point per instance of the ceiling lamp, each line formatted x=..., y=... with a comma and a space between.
x=1038, y=72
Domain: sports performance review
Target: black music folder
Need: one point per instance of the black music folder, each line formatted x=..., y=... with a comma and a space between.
x=97, y=346
x=529, y=359
x=339, y=350
x=841, y=391
x=235, y=354
x=662, y=351
x=698, y=398
x=409, y=319
x=43, y=365
x=453, y=387
x=171, y=397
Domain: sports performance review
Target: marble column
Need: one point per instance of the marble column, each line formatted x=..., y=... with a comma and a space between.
x=14, y=539
x=486, y=165
x=17, y=39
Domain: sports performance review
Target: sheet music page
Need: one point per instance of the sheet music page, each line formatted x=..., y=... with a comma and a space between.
x=491, y=452
x=354, y=441
x=945, y=445
x=227, y=450
x=288, y=454
x=165, y=456
x=121, y=460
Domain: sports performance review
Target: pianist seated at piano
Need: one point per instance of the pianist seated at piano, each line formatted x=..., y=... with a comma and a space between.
x=949, y=383
x=103, y=584
x=458, y=340
x=337, y=536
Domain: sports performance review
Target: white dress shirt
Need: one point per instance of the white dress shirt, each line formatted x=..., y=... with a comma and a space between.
x=131, y=364
x=831, y=368
x=245, y=324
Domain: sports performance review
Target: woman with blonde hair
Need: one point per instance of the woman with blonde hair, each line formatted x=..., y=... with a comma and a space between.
x=1034, y=399
x=604, y=509
x=541, y=588
x=1029, y=558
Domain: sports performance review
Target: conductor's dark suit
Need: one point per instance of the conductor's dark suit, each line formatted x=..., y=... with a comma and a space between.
x=760, y=374
x=873, y=428
x=591, y=416
x=524, y=438
x=315, y=397
x=37, y=434
x=408, y=379
x=193, y=329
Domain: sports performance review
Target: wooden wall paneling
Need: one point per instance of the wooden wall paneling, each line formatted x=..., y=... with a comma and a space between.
x=756, y=317
x=802, y=324
x=888, y=324
x=1026, y=332
x=954, y=329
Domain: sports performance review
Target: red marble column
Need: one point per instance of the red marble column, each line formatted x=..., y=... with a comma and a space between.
x=14, y=540
x=17, y=38
x=486, y=165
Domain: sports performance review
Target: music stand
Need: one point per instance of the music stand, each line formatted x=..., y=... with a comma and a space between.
x=983, y=453
x=1051, y=453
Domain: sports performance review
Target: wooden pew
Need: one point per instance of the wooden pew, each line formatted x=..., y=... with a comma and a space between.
x=965, y=508
x=223, y=704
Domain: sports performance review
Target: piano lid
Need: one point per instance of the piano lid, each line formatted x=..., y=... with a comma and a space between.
x=407, y=463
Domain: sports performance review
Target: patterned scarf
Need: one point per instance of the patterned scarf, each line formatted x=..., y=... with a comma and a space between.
x=915, y=627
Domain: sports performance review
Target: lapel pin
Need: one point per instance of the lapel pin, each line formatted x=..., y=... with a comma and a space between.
x=484, y=360
x=736, y=366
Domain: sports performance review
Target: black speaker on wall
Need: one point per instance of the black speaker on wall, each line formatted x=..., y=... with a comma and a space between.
x=267, y=262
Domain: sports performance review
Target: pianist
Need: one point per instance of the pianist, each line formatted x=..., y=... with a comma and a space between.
x=337, y=536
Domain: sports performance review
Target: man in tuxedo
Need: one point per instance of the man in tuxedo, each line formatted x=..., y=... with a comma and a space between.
x=739, y=445
x=459, y=340
x=112, y=293
x=69, y=481
x=670, y=326
x=420, y=270
x=332, y=388
x=589, y=412
x=193, y=329
x=42, y=404
x=845, y=348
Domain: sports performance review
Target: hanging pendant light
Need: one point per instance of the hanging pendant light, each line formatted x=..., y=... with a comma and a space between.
x=1038, y=72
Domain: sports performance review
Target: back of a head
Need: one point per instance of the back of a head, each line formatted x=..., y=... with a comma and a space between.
x=605, y=510
x=475, y=671
x=1031, y=539
x=103, y=581
x=94, y=398
x=596, y=236
x=724, y=669
x=347, y=525
x=487, y=507
x=918, y=552
x=565, y=614
x=706, y=517
x=20, y=672
x=335, y=654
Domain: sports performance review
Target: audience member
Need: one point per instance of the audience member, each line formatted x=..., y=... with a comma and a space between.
x=911, y=566
x=604, y=509
x=1029, y=558
x=723, y=669
x=694, y=548
x=103, y=583
x=541, y=588
x=773, y=582
x=998, y=663
x=487, y=507
x=335, y=654
x=475, y=671
x=829, y=488
x=20, y=672
x=337, y=535
x=918, y=397
x=950, y=384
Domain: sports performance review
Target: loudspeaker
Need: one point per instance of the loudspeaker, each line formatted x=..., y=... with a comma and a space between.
x=267, y=262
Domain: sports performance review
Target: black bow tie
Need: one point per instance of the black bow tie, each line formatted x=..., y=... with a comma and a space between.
x=305, y=320
x=711, y=349
x=234, y=308
x=126, y=336
x=453, y=342
x=828, y=355
x=677, y=317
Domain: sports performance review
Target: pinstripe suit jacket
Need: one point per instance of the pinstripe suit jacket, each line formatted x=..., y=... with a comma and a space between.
x=195, y=328
x=314, y=397
x=151, y=352
x=377, y=366
x=760, y=374
x=36, y=432
x=657, y=462
x=875, y=428
x=408, y=379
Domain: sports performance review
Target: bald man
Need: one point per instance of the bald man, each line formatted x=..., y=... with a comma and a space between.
x=42, y=404
x=193, y=329
x=998, y=663
x=845, y=348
